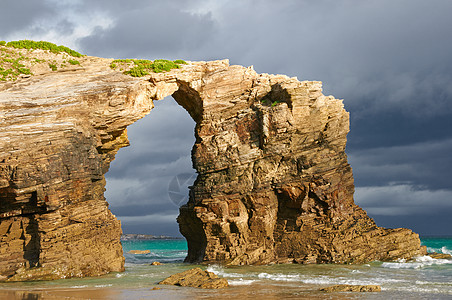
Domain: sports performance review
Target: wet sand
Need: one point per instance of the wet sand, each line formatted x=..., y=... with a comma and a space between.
x=261, y=292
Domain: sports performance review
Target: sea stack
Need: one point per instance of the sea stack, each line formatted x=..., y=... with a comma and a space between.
x=273, y=185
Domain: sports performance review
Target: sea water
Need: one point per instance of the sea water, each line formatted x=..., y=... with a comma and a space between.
x=421, y=278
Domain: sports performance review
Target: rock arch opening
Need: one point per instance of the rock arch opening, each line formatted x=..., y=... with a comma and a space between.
x=148, y=181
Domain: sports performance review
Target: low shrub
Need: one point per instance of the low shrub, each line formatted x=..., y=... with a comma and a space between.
x=53, y=67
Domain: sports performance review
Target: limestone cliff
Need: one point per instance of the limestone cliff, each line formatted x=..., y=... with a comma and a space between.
x=273, y=180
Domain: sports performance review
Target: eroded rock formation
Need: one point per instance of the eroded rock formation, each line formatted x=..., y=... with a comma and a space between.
x=273, y=180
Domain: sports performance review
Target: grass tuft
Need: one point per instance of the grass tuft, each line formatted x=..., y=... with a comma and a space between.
x=53, y=67
x=180, y=62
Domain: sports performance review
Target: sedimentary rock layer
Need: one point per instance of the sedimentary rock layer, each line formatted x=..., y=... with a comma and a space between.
x=273, y=180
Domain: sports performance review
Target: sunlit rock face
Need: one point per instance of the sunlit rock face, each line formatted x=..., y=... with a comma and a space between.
x=273, y=180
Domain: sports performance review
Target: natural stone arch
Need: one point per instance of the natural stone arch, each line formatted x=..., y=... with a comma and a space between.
x=273, y=180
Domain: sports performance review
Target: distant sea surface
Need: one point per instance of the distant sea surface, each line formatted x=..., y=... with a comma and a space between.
x=423, y=278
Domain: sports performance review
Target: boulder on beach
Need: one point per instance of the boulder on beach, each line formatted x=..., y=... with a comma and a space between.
x=196, y=278
x=351, y=288
x=156, y=263
x=139, y=251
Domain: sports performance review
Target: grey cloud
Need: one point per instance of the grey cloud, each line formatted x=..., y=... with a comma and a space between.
x=403, y=205
x=20, y=14
x=402, y=199
x=436, y=224
x=155, y=30
x=427, y=164
x=151, y=224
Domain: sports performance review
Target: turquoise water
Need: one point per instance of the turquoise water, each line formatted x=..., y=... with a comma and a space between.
x=421, y=278
x=164, y=251
x=436, y=244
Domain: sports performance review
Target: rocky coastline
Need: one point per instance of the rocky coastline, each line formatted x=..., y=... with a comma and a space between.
x=273, y=185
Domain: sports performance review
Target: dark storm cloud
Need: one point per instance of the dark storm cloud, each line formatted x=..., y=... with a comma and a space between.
x=425, y=164
x=389, y=60
x=16, y=15
x=152, y=30
x=425, y=224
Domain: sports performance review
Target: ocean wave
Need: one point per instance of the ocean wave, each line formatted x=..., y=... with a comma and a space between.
x=219, y=270
x=443, y=249
x=424, y=290
x=241, y=281
x=417, y=263
x=279, y=277
x=433, y=283
x=302, y=278
x=103, y=285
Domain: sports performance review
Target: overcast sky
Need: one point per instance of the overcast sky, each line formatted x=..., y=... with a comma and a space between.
x=390, y=60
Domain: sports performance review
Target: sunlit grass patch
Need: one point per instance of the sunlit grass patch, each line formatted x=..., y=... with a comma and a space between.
x=29, y=44
x=142, y=67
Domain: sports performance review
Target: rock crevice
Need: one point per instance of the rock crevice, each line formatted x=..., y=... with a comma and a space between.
x=273, y=184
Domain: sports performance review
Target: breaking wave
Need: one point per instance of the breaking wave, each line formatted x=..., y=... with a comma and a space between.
x=417, y=263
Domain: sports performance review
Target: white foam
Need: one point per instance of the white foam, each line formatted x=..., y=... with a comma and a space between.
x=445, y=250
x=103, y=285
x=345, y=280
x=78, y=286
x=431, y=249
x=218, y=270
x=279, y=277
x=433, y=283
x=419, y=262
x=241, y=281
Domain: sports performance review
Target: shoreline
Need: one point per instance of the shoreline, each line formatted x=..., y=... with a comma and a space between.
x=399, y=280
x=147, y=237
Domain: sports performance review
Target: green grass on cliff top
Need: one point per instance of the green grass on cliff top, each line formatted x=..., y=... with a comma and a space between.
x=28, y=44
x=142, y=67
x=14, y=63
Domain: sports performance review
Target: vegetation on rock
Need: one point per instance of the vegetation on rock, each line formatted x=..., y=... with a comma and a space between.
x=142, y=67
x=269, y=102
x=11, y=66
x=18, y=58
x=29, y=44
x=53, y=67
x=74, y=62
